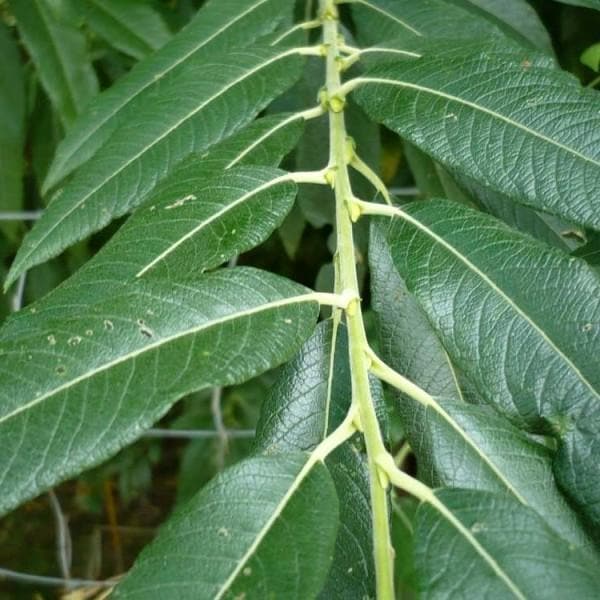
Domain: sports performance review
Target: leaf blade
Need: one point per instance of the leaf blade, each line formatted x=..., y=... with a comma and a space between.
x=218, y=25
x=503, y=547
x=308, y=401
x=453, y=111
x=546, y=380
x=184, y=335
x=126, y=167
x=129, y=26
x=246, y=515
x=12, y=127
x=262, y=142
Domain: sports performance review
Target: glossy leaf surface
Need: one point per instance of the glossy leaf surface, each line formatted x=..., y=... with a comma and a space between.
x=380, y=20
x=308, y=401
x=459, y=445
x=527, y=348
x=194, y=111
x=228, y=540
x=483, y=544
x=132, y=27
x=502, y=137
x=154, y=342
x=220, y=25
x=205, y=177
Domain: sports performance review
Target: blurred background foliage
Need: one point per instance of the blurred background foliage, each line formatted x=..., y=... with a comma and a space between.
x=112, y=511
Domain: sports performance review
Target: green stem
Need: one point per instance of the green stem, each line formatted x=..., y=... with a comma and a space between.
x=347, y=283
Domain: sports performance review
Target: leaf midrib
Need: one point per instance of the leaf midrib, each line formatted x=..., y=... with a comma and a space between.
x=478, y=547
x=388, y=15
x=310, y=463
x=152, y=346
x=58, y=56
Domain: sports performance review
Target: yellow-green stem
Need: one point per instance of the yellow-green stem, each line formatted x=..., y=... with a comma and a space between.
x=347, y=282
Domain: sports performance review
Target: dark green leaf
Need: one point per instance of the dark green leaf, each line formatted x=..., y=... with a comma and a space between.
x=503, y=137
x=12, y=127
x=84, y=385
x=494, y=296
x=309, y=400
x=190, y=113
x=264, y=528
x=130, y=26
x=476, y=544
x=381, y=20
x=519, y=17
x=485, y=441
x=264, y=141
x=59, y=53
x=407, y=340
x=220, y=25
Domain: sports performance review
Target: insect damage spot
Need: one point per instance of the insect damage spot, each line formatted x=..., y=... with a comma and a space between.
x=247, y=571
x=478, y=527
x=51, y=340
x=144, y=329
x=180, y=202
x=61, y=370
x=108, y=325
x=74, y=340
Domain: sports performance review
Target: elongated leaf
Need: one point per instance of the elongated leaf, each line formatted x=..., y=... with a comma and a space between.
x=74, y=393
x=381, y=20
x=501, y=136
x=547, y=228
x=434, y=181
x=265, y=528
x=218, y=26
x=130, y=26
x=520, y=17
x=191, y=113
x=12, y=127
x=309, y=400
x=264, y=142
x=494, y=297
x=58, y=51
x=460, y=445
x=484, y=544
x=488, y=446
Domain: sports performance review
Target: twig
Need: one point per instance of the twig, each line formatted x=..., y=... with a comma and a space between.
x=64, y=545
x=26, y=215
x=52, y=581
